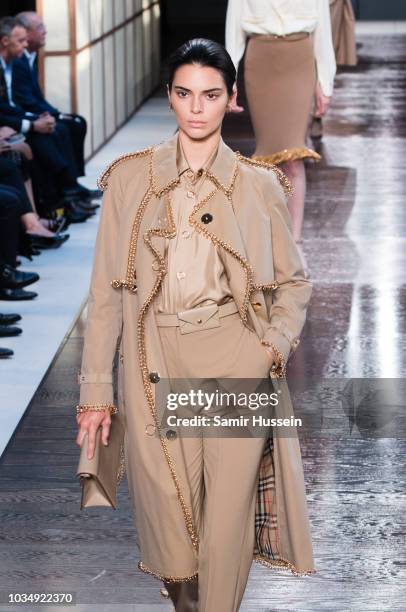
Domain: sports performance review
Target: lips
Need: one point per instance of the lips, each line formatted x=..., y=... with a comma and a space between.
x=197, y=123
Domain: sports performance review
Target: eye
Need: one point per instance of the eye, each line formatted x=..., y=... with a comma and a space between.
x=212, y=96
x=182, y=94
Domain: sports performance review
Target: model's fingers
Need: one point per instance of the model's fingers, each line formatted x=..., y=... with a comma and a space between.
x=92, y=442
x=105, y=431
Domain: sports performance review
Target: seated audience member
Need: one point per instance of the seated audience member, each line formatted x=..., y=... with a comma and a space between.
x=16, y=169
x=46, y=142
x=28, y=93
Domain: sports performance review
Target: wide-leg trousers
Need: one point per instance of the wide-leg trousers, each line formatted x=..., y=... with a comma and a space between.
x=221, y=472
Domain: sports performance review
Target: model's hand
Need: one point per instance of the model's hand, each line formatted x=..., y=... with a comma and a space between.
x=89, y=423
x=271, y=355
x=322, y=102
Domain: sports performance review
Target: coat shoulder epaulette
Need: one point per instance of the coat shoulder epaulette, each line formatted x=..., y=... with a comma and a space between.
x=281, y=176
x=102, y=181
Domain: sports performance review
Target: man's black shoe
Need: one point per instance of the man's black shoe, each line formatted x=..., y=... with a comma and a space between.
x=5, y=352
x=47, y=242
x=9, y=319
x=9, y=330
x=74, y=214
x=11, y=295
x=10, y=278
x=86, y=206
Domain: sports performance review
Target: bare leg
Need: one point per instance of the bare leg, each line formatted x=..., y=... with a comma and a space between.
x=32, y=225
x=295, y=171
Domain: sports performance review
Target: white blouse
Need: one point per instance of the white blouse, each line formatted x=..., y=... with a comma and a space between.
x=281, y=17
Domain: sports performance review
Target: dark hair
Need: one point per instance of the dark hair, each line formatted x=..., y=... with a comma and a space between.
x=206, y=53
x=7, y=25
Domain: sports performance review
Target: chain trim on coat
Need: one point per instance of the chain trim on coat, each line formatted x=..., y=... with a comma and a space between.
x=281, y=176
x=102, y=181
x=164, y=578
x=166, y=233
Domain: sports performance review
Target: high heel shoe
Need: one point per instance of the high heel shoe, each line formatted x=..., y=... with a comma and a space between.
x=47, y=242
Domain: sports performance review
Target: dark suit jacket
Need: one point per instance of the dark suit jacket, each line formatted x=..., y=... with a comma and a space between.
x=26, y=89
x=11, y=115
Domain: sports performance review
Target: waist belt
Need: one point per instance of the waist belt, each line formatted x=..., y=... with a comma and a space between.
x=196, y=319
x=292, y=36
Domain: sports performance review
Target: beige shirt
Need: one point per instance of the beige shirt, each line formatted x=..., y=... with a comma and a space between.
x=249, y=17
x=196, y=274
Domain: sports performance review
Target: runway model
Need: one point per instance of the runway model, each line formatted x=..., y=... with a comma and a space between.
x=289, y=59
x=196, y=275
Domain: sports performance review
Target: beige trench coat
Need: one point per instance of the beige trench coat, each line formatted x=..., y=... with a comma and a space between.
x=250, y=221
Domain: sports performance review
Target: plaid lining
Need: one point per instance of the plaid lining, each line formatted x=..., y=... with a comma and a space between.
x=266, y=526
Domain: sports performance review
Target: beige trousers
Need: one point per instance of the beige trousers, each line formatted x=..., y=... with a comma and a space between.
x=221, y=472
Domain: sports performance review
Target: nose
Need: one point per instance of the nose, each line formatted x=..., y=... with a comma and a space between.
x=196, y=107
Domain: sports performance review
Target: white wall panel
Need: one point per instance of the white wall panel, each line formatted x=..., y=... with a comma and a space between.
x=109, y=85
x=108, y=15
x=56, y=19
x=97, y=94
x=137, y=5
x=156, y=45
x=57, y=81
x=119, y=11
x=84, y=93
x=120, y=75
x=82, y=23
x=129, y=46
x=139, y=62
x=129, y=8
x=96, y=19
x=146, y=27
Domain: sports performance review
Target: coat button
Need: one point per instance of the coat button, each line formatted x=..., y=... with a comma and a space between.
x=154, y=377
x=171, y=434
x=155, y=266
x=207, y=217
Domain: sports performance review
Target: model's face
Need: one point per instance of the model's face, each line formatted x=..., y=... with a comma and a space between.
x=199, y=99
x=37, y=33
x=16, y=42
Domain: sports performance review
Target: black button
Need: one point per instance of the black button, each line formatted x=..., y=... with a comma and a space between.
x=207, y=217
x=154, y=377
x=171, y=434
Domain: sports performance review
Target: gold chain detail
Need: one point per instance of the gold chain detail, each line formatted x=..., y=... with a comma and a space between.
x=283, y=179
x=279, y=368
x=164, y=578
x=121, y=467
x=282, y=564
x=95, y=408
x=243, y=261
x=267, y=287
x=102, y=181
x=166, y=233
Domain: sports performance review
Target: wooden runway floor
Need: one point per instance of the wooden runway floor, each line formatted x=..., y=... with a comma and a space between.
x=355, y=238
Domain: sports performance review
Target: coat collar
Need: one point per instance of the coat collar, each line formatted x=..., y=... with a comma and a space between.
x=165, y=174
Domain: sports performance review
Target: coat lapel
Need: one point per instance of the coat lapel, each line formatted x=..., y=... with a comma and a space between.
x=215, y=199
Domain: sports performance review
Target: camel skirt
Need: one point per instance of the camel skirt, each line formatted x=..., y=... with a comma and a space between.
x=280, y=80
x=343, y=31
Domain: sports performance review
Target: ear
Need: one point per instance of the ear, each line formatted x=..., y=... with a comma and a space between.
x=168, y=93
x=233, y=98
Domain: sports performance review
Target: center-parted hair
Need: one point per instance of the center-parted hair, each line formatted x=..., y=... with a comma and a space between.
x=204, y=52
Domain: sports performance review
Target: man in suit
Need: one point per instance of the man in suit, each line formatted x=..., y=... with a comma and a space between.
x=39, y=128
x=28, y=93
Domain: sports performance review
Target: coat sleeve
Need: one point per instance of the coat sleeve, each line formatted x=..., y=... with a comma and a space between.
x=288, y=303
x=104, y=314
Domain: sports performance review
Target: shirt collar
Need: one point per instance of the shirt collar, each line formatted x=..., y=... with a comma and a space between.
x=182, y=163
x=30, y=56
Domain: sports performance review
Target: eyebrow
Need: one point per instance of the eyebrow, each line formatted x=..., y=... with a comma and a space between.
x=204, y=91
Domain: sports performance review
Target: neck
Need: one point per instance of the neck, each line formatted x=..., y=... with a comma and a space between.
x=197, y=151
